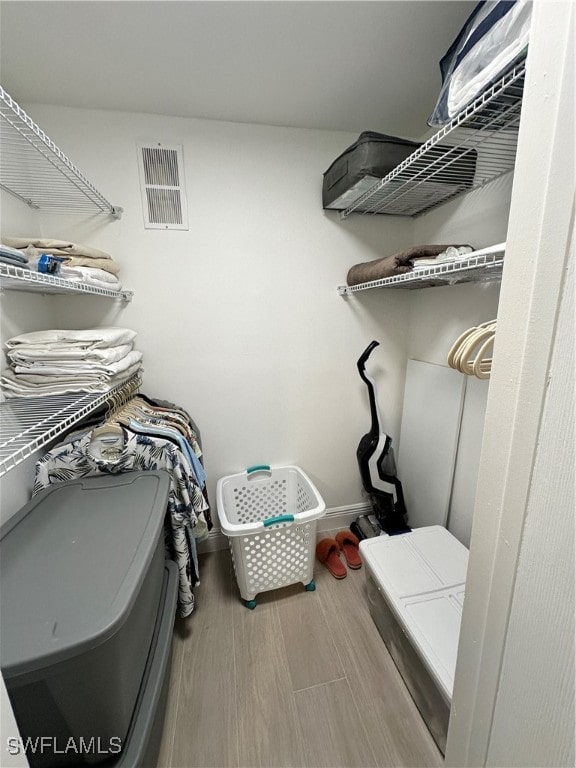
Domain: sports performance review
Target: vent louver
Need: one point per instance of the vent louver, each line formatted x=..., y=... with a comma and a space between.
x=162, y=183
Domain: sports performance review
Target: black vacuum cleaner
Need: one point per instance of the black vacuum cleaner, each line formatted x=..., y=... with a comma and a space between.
x=378, y=470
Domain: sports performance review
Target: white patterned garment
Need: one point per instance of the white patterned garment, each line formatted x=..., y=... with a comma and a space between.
x=140, y=452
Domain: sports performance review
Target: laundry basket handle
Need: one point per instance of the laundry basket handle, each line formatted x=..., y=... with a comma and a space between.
x=258, y=468
x=278, y=519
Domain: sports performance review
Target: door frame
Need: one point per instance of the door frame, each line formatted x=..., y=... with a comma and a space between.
x=540, y=232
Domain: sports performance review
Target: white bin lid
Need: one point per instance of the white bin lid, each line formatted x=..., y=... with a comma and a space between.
x=71, y=563
x=422, y=575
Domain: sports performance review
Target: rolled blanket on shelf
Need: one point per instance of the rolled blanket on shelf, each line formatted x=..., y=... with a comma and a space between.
x=390, y=266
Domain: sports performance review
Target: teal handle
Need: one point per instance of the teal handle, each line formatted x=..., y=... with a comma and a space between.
x=279, y=519
x=258, y=468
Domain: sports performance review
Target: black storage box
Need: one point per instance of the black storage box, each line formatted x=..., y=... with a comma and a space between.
x=366, y=161
x=374, y=155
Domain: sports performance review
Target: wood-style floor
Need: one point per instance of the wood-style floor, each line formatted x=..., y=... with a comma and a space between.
x=302, y=680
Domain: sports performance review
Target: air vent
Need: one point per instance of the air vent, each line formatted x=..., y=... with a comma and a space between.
x=162, y=185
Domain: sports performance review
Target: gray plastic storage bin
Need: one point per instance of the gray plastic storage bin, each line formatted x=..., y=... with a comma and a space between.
x=144, y=737
x=82, y=571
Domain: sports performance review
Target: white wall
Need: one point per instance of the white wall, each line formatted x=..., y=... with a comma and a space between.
x=238, y=318
x=439, y=315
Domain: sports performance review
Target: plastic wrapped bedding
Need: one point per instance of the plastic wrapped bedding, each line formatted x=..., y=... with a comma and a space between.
x=494, y=38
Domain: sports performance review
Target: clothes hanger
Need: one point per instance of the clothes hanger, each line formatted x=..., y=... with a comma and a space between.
x=110, y=434
x=467, y=353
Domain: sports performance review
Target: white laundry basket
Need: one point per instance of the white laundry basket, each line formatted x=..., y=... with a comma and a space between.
x=269, y=516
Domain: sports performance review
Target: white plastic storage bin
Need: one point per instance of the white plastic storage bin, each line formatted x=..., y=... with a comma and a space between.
x=415, y=584
x=269, y=516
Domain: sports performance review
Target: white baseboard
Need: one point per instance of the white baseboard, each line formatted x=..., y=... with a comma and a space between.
x=334, y=519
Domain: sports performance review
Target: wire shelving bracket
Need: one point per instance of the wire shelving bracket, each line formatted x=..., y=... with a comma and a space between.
x=36, y=171
x=27, y=424
x=476, y=147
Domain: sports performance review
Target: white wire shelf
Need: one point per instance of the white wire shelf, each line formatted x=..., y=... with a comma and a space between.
x=17, y=279
x=27, y=424
x=476, y=267
x=36, y=171
x=476, y=147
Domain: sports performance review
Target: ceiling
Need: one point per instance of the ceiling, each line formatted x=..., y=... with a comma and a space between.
x=344, y=65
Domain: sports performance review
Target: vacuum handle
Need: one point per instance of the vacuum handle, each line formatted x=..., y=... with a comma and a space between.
x=365, y=355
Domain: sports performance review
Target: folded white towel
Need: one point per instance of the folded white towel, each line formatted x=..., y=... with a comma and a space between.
x=95, y=273
x=28, y=354
x=90, y=338
x=36, y=381
x=77, y=367
x=12, y=386
x=91, y=277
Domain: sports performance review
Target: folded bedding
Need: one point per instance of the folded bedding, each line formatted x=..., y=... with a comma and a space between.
x=91, y=338
x=396, y=264
x=14, y=254
x=56, y=247
x=106, y=265
x=493, y=39
x=58, y=361
x=36, y=381
x=32, y=353
x=91, y=277
x=449, y=256
x=72, y=368
x=5, y=259
x=13, y=386
x=82, y=273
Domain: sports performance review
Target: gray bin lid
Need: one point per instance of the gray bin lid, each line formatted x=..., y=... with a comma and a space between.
x=71, y=564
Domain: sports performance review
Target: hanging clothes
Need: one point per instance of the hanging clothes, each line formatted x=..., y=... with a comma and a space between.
x=188, y=512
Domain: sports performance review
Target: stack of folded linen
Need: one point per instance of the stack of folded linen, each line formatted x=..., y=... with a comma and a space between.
x=56, y=362
x=80, y=262
x=451, y=254
x=90, y=276
x=13, y=256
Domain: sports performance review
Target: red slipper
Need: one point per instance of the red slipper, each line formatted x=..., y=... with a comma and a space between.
x=328, y=552
x=349, y=545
